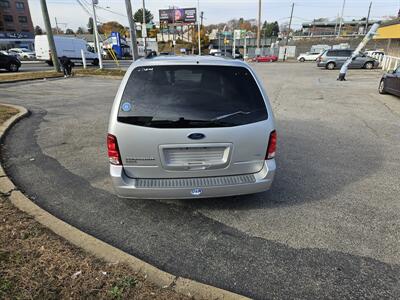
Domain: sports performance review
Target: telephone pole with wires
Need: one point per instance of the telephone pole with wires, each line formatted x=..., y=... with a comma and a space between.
x=50, y=38
x=99, y=50
x=287, y=37
x=369, y=13
x=258, y=27
x=341, y=19
x=144, y=29
x=132, y=30
x=198, y=25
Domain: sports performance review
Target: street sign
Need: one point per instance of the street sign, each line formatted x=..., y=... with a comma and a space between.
x=237, y=34
x=144, y=31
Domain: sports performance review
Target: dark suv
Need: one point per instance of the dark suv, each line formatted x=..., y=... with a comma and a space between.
x=9, y=62
x=332, y=59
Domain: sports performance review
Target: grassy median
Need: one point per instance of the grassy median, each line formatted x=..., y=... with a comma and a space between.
x=5, y=77
x=35, y=263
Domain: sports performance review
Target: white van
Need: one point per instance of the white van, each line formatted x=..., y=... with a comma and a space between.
x=65, y=46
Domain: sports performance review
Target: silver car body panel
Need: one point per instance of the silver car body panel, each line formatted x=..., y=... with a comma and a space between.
x=165, y=163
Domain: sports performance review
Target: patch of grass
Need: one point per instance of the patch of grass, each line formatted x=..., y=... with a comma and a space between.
x=37, y=264
x=29, y=75
x=99, y=72
x=122, y=286
x=6, y=113
x=5, y=286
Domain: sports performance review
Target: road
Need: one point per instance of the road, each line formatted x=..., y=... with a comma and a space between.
x=328, y=229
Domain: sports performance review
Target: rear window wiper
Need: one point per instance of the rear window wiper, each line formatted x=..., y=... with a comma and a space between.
x=240, y=112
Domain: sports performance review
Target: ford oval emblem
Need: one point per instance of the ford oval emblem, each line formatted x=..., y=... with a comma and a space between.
x=196, y=192
x=196, y=136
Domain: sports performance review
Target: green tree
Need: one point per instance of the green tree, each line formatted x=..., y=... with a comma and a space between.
x=270, y=29
x=138, y=16
x=81, y=30
x=69, y=31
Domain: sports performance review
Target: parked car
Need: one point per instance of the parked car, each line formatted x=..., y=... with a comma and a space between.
x=308, y=56
x=190, y=126
x=9, y=62
x=372, y=53
x=22, y=53
x=332, y=59
x=265, y=58
x=390, y=83
x=237, y=55
x=66, y=46
x=216, y=52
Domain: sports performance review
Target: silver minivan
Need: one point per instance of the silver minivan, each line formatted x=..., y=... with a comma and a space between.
x=191, y=126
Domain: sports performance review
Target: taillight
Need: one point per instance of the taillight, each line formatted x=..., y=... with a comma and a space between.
x=113, y=151
x=271, y=145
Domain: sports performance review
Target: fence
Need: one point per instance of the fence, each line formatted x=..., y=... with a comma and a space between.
x=387, y=62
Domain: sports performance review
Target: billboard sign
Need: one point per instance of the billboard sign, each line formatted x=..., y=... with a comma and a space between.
x=178, y=16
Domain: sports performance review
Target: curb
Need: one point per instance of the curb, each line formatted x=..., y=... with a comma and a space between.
x=97, y=247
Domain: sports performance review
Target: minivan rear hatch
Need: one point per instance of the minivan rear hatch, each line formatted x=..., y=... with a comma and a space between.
x=191, y=121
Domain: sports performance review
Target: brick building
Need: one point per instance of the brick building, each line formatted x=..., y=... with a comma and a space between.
x=16, y=28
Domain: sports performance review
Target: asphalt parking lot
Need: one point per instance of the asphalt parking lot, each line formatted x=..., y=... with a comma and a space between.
x=329, y=228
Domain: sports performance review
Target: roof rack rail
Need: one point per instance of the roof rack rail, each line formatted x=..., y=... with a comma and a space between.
x=151, y=54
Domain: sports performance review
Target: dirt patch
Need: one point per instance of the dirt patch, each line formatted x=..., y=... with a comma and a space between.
x=35, y=263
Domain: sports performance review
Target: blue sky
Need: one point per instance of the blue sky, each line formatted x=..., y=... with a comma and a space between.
x=215, y=11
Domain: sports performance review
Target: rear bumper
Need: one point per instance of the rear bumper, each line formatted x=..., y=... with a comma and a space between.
x=126, y=187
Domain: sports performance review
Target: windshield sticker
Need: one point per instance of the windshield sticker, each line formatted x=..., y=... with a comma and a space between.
x=126, y=107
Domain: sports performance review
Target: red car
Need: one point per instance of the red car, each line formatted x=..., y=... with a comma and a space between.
x=267, y=58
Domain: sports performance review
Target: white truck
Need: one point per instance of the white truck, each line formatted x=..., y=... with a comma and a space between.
x=66, y=46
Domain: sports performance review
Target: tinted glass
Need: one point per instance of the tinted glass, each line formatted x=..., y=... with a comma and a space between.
x=332, y=53
x=345, y=53
x=191, y=96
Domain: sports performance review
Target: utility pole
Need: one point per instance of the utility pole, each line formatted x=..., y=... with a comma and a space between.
x=341, y=19
x=50, y=38
x=56, y=26
x=198, y=25
x=336, y=24
x=144, y=29
x=258, y=26
x=369, y=13
x=99, y=50
x=287, y=37
x=132, y=30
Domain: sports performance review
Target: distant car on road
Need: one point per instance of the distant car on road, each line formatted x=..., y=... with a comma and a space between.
x=265, y=58
x=308, y=56
x=333, y=59
x=9, y=62
x=390, y=83
x=22, y=53
x=212, y=133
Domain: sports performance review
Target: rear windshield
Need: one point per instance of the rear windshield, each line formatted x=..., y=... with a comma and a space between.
x=190, y=96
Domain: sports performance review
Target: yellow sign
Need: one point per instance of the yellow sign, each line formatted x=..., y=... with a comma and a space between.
x=388, y=32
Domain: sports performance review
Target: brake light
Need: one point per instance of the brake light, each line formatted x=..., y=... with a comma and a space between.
x=271, y=145
x=113, y=151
